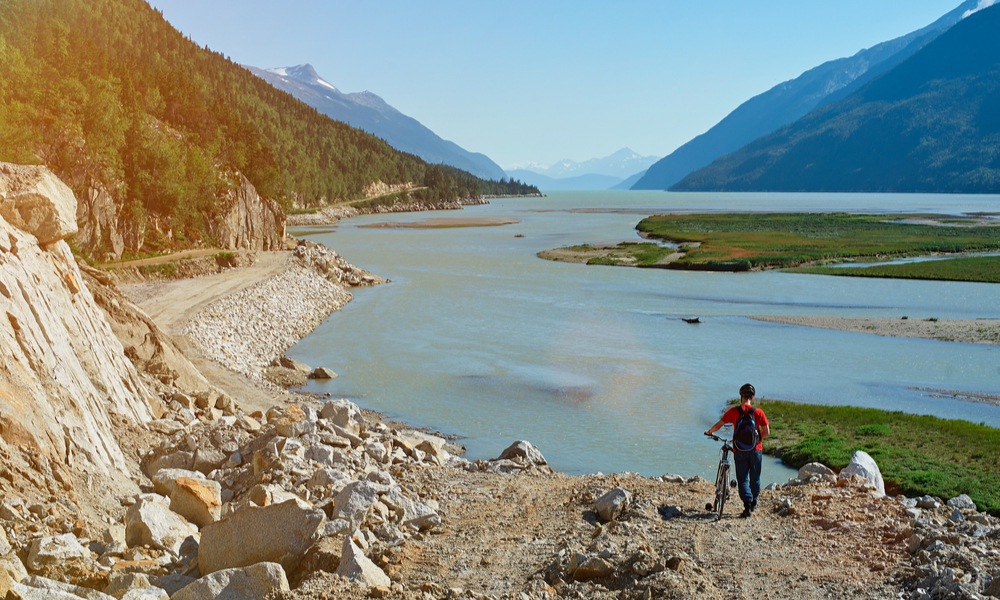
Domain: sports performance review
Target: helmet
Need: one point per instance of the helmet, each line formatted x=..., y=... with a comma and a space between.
x=747, y=391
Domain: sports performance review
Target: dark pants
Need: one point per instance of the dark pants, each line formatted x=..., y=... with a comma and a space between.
x=748, y=474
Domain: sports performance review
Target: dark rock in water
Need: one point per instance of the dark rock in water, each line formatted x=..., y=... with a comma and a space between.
x=695, y=320
x=322, y=373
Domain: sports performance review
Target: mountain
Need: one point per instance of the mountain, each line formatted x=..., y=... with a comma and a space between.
x=931, y=124
x=370, y=113
x=580, y=182
x=628, y=183
x=791, y=100
x=621, y=164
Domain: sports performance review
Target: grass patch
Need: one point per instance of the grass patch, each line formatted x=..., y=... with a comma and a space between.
x=917, y=454
x=305, y=211
x=738, y=242
x=984, y=269
x=632, y=254
x=165, y=270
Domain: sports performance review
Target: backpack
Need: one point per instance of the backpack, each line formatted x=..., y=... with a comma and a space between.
x=745, y=434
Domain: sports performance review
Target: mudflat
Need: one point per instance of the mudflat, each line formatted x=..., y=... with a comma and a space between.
x=968, y=331
x=445, y=223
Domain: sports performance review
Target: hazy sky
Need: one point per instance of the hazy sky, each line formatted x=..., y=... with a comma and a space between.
x=544, y=80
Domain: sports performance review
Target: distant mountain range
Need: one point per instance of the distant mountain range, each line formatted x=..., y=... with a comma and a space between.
x=793, y=99
x=594, y=174
x=369, y=112
x=621, y=164
x=590, y=181
x=930, y=124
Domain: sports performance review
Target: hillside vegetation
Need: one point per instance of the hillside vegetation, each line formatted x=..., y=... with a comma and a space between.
x=110, y=95
x=931, y=124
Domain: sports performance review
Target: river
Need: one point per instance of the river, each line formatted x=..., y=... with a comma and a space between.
x=478, y=337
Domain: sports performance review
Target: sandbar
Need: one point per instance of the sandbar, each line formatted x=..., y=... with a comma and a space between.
x=967, y=331
x=445, y=223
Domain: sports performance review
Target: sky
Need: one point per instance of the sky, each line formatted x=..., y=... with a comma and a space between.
x=542, y=81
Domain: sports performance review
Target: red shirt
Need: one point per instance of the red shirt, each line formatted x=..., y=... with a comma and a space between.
x=733, y=414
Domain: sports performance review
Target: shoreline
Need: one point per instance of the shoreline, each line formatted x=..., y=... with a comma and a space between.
x=330, y=215
x=968, y=331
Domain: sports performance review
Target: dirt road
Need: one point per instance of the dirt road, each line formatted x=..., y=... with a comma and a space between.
x=170, y=304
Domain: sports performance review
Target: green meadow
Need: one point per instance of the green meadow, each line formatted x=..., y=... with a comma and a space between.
x=984, y=269
x=917, y=455
x=740, y=242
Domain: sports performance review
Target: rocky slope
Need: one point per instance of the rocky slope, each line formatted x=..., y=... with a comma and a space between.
x=63, y=371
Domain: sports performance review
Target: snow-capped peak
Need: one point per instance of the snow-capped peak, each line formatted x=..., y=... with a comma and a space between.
x=304, y=73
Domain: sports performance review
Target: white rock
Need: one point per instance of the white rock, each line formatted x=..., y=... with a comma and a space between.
x=355, y=566
x=151, y=523
x=355, y=501
x=814, y=468
x=163, y=480
x=238, y=583
x=55, y=549
x=611, y=505
x=278, y=533
x=344, y=414
x=962, y=501
x=524, y=450
x=864, y=466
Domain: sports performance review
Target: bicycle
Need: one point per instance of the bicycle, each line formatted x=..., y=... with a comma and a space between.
x=722, y=481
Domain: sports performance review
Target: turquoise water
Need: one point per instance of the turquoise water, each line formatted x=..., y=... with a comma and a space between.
x=478, y=337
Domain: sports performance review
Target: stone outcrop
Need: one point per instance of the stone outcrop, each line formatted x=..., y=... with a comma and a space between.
x=864, y=466
x=99, y=218
x=34, y=200
x=62, y=371
x=249, y=222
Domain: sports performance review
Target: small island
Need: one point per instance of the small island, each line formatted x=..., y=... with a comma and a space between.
x=806, y=242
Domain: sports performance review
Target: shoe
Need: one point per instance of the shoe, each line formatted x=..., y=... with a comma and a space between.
x=753, y=506
x=746, y=512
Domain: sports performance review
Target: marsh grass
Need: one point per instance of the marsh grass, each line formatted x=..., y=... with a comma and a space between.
x=983, y=269
x=916, y=454
x=737, y=242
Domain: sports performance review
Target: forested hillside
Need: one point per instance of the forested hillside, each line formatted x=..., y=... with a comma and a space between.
x=931, y=124
x=108, y=93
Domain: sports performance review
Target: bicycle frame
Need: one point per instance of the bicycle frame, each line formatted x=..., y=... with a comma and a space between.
x=721, y=479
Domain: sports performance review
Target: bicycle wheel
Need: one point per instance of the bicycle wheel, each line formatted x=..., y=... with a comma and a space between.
x=722, y=490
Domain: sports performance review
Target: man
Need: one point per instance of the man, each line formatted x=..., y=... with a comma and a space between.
x=747, y=458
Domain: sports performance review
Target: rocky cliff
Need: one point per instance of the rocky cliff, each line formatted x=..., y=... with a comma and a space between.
x=248, y=221
x=63, y=373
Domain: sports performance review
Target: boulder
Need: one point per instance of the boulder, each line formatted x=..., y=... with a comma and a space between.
x=120, y=582
x=197, y=500
x=583, y=567
x=164, y=479
x=329, y=477
x=611, y=505
x=814, y=468
x=523, y=450
x=207, y=460
x=355, y=566
x=54, y=589
x=35, y=201
x=238, y=583
x=291, y=363
x=410, y=512
x=962, y=502
x=55, y=549
x=322, y=373
x=177, y=460
x=344, y=414
x=294, y=423
x=355, y=501
x=279, y=533
x=151, y=523
x=864, y=466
